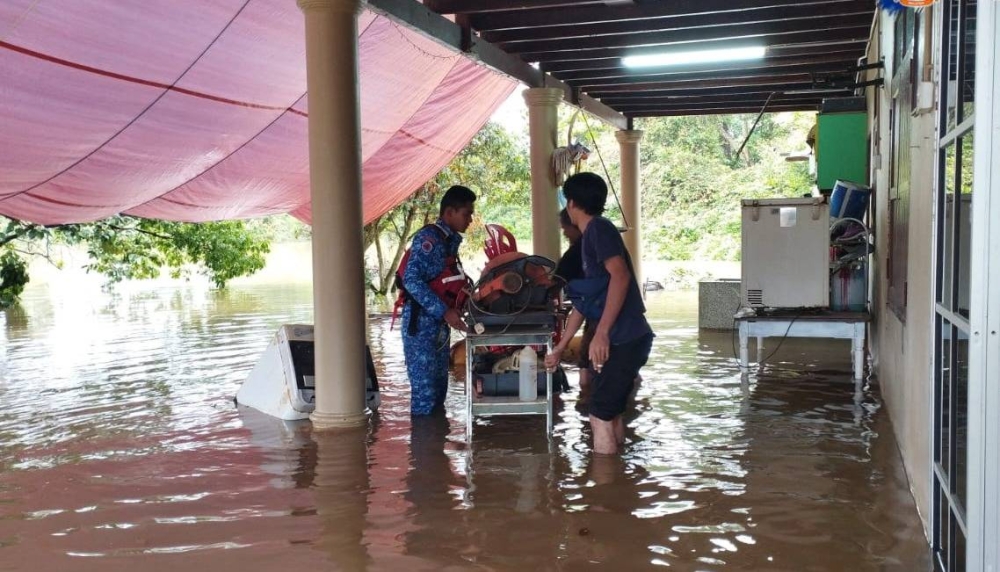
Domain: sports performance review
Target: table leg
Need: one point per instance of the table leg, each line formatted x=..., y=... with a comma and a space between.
x=858, y=347
x=470, y=391
x=548, y=394
x=744, y=352
x=760, y=351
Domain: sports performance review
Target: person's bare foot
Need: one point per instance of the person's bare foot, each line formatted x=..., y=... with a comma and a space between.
x=605, y=469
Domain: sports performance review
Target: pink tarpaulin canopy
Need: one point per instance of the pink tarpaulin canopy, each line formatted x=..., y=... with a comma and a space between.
x=197, y=111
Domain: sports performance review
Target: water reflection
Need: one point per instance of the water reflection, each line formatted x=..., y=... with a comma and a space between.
x=121, y=448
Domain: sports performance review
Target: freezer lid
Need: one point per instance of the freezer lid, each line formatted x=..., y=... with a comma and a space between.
x=784, y=202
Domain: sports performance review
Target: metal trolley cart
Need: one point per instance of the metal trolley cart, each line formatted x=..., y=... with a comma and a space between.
x=514, y=335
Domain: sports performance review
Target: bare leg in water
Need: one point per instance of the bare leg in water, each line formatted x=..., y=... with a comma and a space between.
x=605, y=439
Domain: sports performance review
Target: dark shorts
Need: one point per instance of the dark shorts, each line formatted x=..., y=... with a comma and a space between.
x=588, y=334
x=614, y=383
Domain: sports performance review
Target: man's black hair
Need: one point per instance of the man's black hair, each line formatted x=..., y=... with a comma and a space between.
x=588, y=191
x=457, y=197
x=564, y=218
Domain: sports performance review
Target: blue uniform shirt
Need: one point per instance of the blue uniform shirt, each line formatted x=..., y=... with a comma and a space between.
x=600, y=242
x=429, y=251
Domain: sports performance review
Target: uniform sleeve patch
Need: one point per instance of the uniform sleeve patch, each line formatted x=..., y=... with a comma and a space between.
x=427, y=246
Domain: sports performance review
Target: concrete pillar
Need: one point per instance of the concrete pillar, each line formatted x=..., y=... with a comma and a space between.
x=342, y=490
x=335, y=183
x=628, y=142
x=543, y=124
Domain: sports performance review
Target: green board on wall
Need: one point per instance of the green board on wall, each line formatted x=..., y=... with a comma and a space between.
x=842, y=149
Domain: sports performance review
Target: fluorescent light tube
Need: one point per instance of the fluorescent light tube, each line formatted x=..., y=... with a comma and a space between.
x=699, y=57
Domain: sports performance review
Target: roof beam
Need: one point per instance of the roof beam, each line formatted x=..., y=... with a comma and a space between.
x=699, y=104
x=816, y=27
x=837, y=10
x=756, y=103
x=720, y=111
x=605, y=90
x=798, y=38
x=700, y=91
x=589, y=14
x=418, y=17
x=478, y=6
x=819, y=64
x=730, y=98
x=611, y=67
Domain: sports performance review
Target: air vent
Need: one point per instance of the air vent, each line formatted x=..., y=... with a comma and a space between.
x=755, y=297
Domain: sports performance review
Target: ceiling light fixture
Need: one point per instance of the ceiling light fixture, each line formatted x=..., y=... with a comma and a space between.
x=699, y=57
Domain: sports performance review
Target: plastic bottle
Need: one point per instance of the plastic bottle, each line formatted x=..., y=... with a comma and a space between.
x=527, y=374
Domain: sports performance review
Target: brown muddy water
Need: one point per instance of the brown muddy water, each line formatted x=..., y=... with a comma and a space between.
x=121, y=449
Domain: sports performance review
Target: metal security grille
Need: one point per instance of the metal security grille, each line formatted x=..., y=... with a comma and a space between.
x=954, y=215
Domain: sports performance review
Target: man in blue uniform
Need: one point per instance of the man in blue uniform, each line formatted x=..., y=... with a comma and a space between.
x=428, y=314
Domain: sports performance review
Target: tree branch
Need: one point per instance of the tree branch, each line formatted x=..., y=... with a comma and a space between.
x=17, y=234
x=140, y=230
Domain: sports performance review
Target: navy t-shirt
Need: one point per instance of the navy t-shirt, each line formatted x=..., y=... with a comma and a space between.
x=600, y=242
x=570, y=266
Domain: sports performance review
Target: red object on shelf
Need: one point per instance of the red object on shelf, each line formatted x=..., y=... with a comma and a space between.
x=499, y=241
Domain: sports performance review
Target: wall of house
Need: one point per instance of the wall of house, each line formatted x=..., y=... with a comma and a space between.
x=902, y=348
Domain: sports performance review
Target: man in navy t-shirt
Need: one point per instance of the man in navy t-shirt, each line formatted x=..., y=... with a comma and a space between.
x=622, y=337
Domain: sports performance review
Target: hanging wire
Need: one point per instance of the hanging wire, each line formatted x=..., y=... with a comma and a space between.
x=606, y=174
x=406, y=38
x=754, y=126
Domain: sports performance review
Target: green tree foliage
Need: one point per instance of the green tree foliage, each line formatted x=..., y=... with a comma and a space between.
x=123, y=247
x=390, y=234
x=693, y=179
x=692, y=182
x=495, y=165
x=13, y=278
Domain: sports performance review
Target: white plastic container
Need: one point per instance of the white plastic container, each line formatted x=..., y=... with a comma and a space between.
x=527, y=374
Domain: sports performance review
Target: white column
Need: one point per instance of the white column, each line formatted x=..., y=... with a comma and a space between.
x=342, y=489
x=543, y=123
x=983, y=491
x=628, y=142
x=335, y=182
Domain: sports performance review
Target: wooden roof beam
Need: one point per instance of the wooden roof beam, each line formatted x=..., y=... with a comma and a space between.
x=589, y=14
x=605, y=90
x=625, y=103
x=608, y=67
x=630, y=109
x=719, y=111
x=613, y=99
x=839, y=10
x=799, y=38
x=479, y=7
x=816, y=27
x=820, y=65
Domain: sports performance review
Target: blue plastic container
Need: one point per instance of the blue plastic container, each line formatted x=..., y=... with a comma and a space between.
x=849, y=200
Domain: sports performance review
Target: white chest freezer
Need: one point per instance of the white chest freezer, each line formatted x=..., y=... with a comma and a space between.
x=786, y=251
x=283, y=384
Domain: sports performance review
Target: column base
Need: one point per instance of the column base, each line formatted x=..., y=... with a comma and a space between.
x=338, y=420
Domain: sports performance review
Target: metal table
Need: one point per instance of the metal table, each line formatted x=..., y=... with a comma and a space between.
x=484, y=405
x=838, y=325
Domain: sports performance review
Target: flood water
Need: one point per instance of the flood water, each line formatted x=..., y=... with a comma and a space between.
x=121, y=449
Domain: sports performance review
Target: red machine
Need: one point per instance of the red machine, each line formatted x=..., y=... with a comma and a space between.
x=513, y=282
